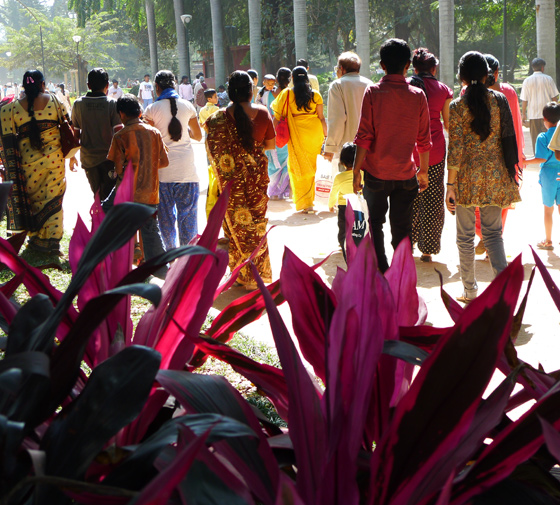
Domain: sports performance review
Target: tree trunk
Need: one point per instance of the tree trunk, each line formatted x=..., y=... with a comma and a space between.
x=151, y=22
x=255, y=37
x=402, y=25
x=447, y=42
x=546, y=35
x=218, y=41
x=182, y=54
x=300, y=29
x=361, y=10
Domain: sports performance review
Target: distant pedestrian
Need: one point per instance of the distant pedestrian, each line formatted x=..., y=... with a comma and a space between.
x=313, y=81
x=115, y=92
x=210, y=107
x=186, y=89
x=146, y=92
x=223, y=98
x=537, y=90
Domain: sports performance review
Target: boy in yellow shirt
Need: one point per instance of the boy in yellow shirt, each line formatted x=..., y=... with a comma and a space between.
x=210, y=107
x=343, y=185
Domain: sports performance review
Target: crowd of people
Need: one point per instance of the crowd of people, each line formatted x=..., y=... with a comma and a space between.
x=384, y=139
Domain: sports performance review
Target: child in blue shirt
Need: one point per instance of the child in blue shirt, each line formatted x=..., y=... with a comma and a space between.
x=550, y=167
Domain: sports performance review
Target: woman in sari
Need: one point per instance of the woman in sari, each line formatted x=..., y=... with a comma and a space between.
x=237, y=137
x=33, y=159
x=308, y=130
x=279, y=187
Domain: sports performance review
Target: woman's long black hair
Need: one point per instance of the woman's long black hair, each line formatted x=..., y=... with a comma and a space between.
x=493, y=65
x=33, y=81
x=165, y=80
x=473, y=69
x=240, y=89
x=302, y=89
x=283, y=77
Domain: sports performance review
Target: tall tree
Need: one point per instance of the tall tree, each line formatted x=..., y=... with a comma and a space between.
x=218, y=41
x=447, y=41
x=255, y=36
x=182, y=54
x=361, y=9
x=152, y=40
x=300, y=28
x=546, y=34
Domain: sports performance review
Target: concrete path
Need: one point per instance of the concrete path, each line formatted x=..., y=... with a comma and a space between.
x=313, y=237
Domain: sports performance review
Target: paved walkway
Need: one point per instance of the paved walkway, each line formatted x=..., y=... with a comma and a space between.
x=313, y=237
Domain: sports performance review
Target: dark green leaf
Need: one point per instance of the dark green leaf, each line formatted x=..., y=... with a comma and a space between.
x=25, y=330
x=407, y=352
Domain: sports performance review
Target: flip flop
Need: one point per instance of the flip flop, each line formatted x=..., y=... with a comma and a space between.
x=545, y=245
x=464, y=299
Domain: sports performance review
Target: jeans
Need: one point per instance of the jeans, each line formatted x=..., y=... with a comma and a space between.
x=146, y=102
x=491, y=222
x=398, y=197
x=151, y=241
x=342, y=229
x=178, y=205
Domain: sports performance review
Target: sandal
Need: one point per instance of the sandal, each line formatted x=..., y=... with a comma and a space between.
x=545, y=245
x=464, y=299
x=426, y=258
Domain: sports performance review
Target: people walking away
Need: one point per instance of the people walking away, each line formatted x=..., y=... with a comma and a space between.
x=199, y=99
x=63, y=96
x=308, y=130
x=236, y=140
x=254, y=75
x=268, y=85
x=343, y=185
x=211, y=105
x=33, y=161
x=548, y=175
x=537, y=90
x=481, y=167
x=94, y=117
x=223, y=98
x=395, y=120
x=146, y=92
x=428, y=211
x=344, y=105
x=279, y=185
x=313, y=81
x=142, y=145
x=176, y=120
x=186, y=89
x=115, y=91
x=513, y=101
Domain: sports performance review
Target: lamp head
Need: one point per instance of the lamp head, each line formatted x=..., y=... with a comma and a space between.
x=186, y=19
x=76, y=39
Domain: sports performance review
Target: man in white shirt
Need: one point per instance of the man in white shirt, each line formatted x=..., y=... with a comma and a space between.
x=146, y=92
x=344, y=105
x=115, y=92
x=186, y=89
x=538, y=89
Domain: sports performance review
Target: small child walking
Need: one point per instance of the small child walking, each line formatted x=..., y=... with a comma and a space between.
x=210, y=107
x=343, y=185
x=550, y=167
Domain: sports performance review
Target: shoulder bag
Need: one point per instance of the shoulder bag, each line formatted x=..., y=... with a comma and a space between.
x=282, y=130
x=69, y=143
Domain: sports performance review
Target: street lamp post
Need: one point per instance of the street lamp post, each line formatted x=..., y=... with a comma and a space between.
x=186, y=19
x=76, y=39
x=40, y=33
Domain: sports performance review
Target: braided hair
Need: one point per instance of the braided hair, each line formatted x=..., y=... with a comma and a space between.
x=472, y=70
x=240, y=90
x=165, y=80
x=33, y=81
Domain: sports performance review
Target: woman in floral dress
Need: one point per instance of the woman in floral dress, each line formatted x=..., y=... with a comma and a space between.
x=237, y=138
x=482, y=167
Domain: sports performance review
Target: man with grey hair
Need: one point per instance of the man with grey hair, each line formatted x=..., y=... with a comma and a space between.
x=344, y=105
x=538, y=89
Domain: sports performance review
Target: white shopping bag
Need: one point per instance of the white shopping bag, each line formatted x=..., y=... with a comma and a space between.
x=360, y=226
x=323, y=181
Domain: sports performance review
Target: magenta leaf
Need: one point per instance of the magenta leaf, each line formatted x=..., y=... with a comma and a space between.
x=440, y=406
x=307, y=425
x=455, y=310
x=547, y=278
x=312, y=305
x=551, y=438
x=401, y=276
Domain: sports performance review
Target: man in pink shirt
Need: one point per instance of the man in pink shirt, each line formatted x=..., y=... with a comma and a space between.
x=395, y=119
